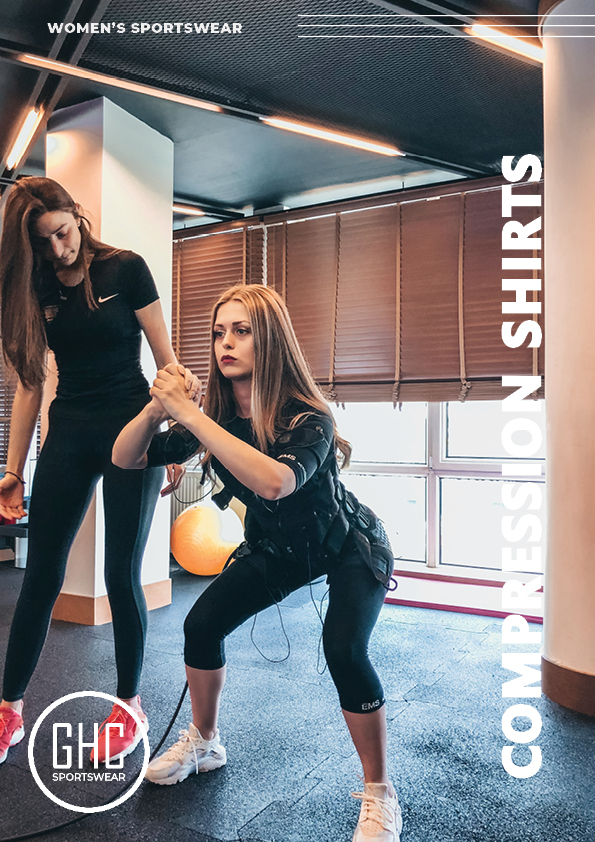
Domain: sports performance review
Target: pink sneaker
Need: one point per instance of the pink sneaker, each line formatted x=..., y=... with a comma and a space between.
x=11, y=730
x=124, y=735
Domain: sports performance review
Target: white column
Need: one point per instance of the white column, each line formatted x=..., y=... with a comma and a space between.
x=121, y=172
x=568, y=667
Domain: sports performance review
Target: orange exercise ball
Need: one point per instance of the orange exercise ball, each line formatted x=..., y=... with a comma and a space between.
x=203, y=537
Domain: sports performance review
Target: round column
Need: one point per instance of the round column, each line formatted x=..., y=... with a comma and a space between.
x=568, y=663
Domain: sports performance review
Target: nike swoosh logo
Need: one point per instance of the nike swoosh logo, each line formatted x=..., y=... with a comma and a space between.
x=101, y=300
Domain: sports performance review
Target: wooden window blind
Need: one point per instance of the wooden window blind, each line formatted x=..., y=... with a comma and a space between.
x=487, y=356
x=276, y=257
x=397, y=298
x=365, y=333
x=203, y=267
x=310, y=289
x=429, y=297
x=255, y=255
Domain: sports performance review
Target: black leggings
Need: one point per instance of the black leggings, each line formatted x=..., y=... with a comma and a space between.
x=254, y=582
x=74, y=456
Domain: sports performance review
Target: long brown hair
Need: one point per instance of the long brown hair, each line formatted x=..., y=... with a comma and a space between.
x=21, y=326
x=281, y=373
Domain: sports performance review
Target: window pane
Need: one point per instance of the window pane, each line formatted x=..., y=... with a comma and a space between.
x=474, y=430
x=401, y=503
x=380, y=433
x=471, y=522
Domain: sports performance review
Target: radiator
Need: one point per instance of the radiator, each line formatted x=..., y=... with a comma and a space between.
x=189, y=492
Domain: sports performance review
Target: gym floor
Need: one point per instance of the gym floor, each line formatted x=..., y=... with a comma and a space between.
x=291, y=765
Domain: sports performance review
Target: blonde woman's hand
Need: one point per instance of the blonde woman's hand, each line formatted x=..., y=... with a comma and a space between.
x=11, y=497
x=156, y=410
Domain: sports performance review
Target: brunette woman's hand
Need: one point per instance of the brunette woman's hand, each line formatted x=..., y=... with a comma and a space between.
x=169, y=387
x=191, y=382
x=11, y=498
x=193, y=389
x=175, y=475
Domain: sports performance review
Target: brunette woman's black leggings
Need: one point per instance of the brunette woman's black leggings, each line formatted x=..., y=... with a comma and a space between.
x=254, y=582
x=74, y=456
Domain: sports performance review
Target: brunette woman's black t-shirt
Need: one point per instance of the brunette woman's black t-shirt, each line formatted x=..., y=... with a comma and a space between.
x=98, y=351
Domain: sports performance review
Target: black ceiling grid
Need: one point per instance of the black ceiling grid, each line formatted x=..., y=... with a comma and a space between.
x=23, y=25
x=448, y=98
x=40, y=89
x=13, y=81
x=521, y=16
x=453, y=105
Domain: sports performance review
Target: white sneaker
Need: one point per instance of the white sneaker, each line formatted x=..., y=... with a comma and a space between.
x=380, y=816
x=190, y=754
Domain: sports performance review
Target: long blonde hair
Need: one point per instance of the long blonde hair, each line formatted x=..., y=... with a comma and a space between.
x=281, y=373
x=23, y=334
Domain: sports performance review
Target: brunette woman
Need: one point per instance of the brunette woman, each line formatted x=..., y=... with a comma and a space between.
x=267, y=433
x=62, y=289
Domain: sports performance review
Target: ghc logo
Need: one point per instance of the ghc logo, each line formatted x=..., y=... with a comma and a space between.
x=62, y=755
x=110, y=726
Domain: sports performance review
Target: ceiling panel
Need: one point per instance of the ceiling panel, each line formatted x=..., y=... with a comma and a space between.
x=231, y=162
x=16, y=84
x=453, y=105
x=447, y=98
x=24, y=23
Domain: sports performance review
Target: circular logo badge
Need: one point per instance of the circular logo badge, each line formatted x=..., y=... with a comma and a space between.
x=101, y=807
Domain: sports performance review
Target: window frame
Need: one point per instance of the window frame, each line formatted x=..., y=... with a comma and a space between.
x=437, y=467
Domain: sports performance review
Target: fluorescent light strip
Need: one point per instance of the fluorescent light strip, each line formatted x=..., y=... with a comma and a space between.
x=188, y=211
x=24, y=138
x=334, y=137
x=114, y=81
x=507, y=42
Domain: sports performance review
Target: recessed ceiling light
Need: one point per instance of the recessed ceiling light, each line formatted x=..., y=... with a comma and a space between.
x=506, y=41
x=24, y=138
x=334, y=137
x=65, y=69
x=188, y=210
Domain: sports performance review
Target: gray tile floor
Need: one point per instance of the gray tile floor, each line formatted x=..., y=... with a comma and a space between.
x=291, y=765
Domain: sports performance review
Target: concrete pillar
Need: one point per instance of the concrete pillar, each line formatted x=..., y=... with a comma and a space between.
x=568, y=666
x=121, y=172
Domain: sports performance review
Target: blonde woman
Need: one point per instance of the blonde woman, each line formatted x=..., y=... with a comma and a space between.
x=267, y=433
